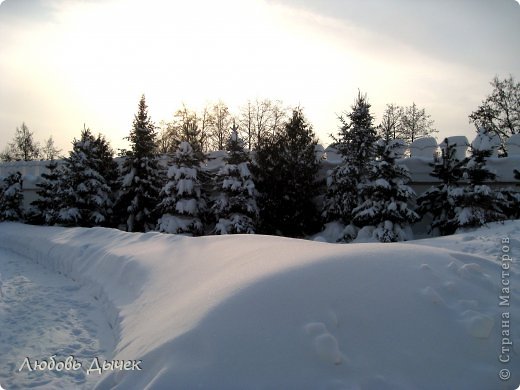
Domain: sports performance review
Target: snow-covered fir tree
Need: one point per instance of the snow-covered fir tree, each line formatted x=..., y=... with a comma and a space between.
x=235, y=207
x=510, y=205
x=355, y=142
x=285, y=172
x=342, y=193
x=441, y=201
x=357, y=136
x=512, y=196
x=182, y=202
x=11, y=198
x=86, y=183
x=387, y=196
x=141, y=177
x=44, y=210
x=478, y=203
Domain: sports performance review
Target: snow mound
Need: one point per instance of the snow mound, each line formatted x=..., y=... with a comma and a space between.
x=423, y=147
x=485, y=141
x=513, y=145
x=461, y=147
x=252, y=311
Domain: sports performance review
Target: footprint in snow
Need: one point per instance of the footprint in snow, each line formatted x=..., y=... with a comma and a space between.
x=325, y=344
x=477, y=324
x=433, y=296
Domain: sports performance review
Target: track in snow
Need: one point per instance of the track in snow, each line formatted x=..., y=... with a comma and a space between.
x=44, y=314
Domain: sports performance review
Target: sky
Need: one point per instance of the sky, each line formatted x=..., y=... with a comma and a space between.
x=66, y=63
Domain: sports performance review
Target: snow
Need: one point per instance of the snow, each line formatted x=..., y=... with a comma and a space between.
x=423, y=147
x=398, y=146
x=186, y=206
x=252, y=311
x=40, y=308
x=484, y=141
x=382, y=183
x=461, y=148
x=333, y=156
x=513, y=145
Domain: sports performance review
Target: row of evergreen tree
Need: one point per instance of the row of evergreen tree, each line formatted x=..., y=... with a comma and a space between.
x=275, y=192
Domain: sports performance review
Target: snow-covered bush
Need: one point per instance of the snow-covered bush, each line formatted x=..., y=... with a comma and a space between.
x=235, y=207
x=387, y=195
x=11, y=198
x=182, y=202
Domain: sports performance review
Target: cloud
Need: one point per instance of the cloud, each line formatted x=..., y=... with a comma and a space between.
x=473, y=32
x=20, y=11
x=15, y=11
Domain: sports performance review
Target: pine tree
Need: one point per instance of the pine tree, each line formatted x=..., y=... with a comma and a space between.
x=285, y=171
x=182, y=201
x=355, y=142
x=441, y=201
x=357, y=136
x=86, y=183
x=391, y=122
x=342, y=194
x=510, y=205
x=141, y=178
x=11, y=198
x=45, y=209
x=235, y=207
x=386, y=196
x=479, y=204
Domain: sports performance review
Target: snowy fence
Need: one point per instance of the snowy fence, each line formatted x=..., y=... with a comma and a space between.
x=422, y=153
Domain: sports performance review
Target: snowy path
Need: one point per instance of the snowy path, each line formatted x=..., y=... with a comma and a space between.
x=44, y=314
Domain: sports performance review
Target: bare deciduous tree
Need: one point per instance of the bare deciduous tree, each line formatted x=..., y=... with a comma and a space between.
x=49, y=150
x=247, y=124
x=261, y=119
x=391, y=122
x=220, y=126
x=415, y=123
x=499, y=113
x=23, y=147
x=167, y=138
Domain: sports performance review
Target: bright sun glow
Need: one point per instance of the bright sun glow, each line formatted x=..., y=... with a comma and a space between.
x=190, y=52
x=89, y=62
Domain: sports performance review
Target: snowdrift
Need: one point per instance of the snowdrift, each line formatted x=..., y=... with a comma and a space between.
x=245, y=311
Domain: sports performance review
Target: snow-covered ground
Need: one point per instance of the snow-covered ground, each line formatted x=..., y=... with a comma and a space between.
x=246, y=311
x=43, y=313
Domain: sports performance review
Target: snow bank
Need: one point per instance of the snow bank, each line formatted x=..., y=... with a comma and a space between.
x=250, y=311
